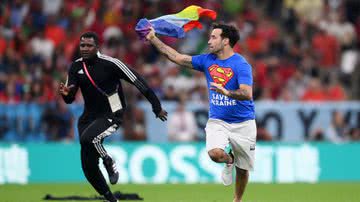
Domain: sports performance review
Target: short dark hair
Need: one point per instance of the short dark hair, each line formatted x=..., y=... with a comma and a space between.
x=228, y=31
x=91, y=35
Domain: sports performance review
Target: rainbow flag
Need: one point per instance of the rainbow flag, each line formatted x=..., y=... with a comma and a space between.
x=175, y=25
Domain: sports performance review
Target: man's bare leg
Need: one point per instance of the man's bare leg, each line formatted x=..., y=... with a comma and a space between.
x=242, y=177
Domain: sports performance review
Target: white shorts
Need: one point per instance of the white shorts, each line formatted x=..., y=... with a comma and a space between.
x=241, y=136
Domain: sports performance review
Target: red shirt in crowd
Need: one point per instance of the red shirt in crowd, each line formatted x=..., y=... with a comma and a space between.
x=326, y=47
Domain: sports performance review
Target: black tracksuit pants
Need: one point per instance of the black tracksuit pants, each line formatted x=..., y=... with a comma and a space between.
x=92, y=133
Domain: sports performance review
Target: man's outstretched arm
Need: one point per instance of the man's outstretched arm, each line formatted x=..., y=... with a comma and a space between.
x=143, y=87
x=135, y=79
x=170, y=53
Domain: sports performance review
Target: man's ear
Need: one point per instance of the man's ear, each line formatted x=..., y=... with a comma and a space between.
x=226, y=40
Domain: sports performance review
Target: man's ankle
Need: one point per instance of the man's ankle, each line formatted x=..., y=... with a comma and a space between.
x=231, y=161
x=231, y=158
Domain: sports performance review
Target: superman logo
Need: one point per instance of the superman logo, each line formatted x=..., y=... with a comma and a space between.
x=220, y=75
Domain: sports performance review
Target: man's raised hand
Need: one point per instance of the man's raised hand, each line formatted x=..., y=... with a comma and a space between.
x=151, y=34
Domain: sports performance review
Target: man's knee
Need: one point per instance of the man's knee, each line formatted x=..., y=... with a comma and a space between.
x=216, y=155
x=241, y=172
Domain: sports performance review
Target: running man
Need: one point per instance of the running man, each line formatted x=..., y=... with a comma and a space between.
x=98, y=77
x=232, y=114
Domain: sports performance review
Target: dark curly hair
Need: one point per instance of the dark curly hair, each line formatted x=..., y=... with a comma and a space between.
x=228, y=31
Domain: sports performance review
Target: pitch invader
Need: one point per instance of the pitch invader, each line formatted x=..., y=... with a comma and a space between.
x=231, y=114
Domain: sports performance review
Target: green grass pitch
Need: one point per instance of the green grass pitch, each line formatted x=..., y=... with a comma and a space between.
x=321, y=192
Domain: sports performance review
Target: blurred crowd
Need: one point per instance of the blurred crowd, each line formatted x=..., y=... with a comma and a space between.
x=299, y=50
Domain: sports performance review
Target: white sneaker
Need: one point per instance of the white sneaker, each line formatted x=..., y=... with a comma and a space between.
x=227, y=174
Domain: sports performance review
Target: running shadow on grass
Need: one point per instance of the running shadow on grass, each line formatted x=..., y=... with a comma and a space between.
x=118, y=195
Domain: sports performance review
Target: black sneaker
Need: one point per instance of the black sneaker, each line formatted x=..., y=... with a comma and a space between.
x=110, y=197
x=110, y=166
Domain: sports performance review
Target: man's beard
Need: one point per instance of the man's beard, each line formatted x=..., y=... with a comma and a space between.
x=215, y=50
x=87, y=55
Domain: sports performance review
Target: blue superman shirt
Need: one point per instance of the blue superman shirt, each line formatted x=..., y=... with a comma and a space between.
x=230, y=73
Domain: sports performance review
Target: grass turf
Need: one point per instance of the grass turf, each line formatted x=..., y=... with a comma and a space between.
x=322, y=192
